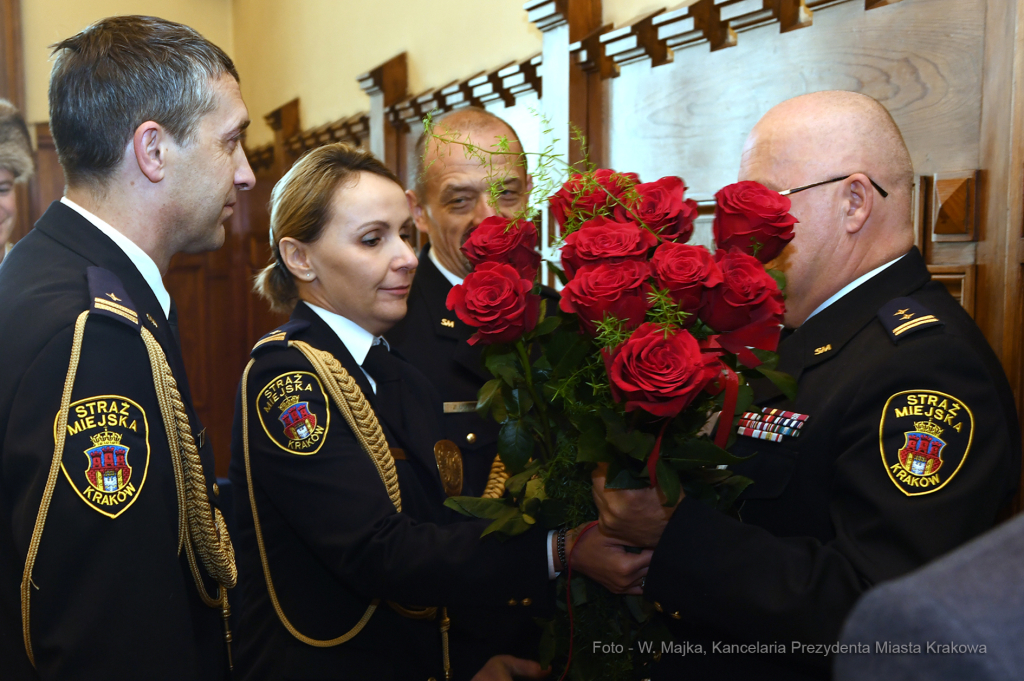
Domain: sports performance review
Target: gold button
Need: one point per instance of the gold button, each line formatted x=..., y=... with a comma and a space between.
x=527, y=601
x=657, y=606
x=676, y=616
x=513, y=602
x=431, y=679
x=216, y=490
x=471, y=438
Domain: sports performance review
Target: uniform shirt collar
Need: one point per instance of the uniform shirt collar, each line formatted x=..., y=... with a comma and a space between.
x=355, y=338
x=452, y=279
x=852, y=285
x=143, y=263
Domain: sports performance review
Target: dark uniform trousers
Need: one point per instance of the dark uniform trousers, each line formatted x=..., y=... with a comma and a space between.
x=333, y=538
x=894, y=368
x=112, y=597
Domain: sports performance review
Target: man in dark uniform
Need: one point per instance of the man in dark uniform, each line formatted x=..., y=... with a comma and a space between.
x=902, y=442
x=452, y=195
x=112, y=562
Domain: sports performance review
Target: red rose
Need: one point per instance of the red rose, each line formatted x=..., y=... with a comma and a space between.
x=661, y=207
x=659, y=373
x=603, y=240
x=618, y=289
x=589, y=195
x=753, y=218
x=497, y=301
x=747, y=306
x=498, y=239
x=686, y=272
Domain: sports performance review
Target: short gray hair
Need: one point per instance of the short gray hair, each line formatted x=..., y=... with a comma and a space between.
x=119, y=73
x=15, y=146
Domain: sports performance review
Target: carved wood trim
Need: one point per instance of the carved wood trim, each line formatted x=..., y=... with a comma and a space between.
x=284, y=121
x=589, y=55
x=523, y=77
x=547, y=14
x=490, y=86
x=637, y=40
x=960, y=280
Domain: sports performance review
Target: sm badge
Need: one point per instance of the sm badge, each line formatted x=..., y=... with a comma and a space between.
x=925, y=436
x=106, y=452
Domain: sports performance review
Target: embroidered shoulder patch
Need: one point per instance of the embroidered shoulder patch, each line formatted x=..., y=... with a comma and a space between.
x=925, y=436
x=293, y=412
x=902, y=316
x=106, y=453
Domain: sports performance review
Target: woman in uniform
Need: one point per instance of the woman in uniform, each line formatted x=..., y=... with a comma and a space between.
x=15, y=166
x=346, y=553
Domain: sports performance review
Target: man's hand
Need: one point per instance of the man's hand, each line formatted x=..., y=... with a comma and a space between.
x=606, y=560
x=506, y=667
x=634, y=516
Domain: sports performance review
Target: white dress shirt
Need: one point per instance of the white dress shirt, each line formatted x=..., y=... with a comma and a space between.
x=452, y=279
x=852, y=285
x=143, y=263
x=355, y=338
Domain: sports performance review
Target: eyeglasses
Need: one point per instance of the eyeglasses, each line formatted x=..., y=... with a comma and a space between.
x=834, y=179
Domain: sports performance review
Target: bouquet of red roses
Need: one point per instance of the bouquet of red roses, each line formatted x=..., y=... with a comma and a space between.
x=648, y=338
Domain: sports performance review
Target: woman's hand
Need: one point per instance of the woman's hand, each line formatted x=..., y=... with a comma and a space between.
x=506, y=668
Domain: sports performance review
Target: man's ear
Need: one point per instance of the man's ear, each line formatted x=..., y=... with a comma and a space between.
x=529, y=186
x=295, y=256
x=860, y=200
x=149, y=145
x=419, y=212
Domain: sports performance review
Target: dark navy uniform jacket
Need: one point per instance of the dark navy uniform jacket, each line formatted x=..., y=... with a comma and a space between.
x=333, y=537
x=910, y=446
x=113, y=597
x=433, y=339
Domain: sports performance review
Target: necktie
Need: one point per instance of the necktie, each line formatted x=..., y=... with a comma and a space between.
x=386, y=370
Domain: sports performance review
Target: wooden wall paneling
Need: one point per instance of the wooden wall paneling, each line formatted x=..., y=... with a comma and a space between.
x=47, y=185
x=954, y=215
x=959, y=280
x=386, y=85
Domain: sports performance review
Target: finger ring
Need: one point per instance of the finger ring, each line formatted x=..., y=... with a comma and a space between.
x=643, y=581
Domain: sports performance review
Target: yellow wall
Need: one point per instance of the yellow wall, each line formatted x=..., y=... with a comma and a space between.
x=315, y=49
x=45, y=22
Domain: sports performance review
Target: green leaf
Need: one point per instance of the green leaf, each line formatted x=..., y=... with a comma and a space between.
x=780, y=278
x=636, y=608
x=592, y=448
x=730, y=489
x=668, y=481
x=558, y=273
x=769, y=359
x=515, y=444
x=486, y=397
x=505, y=365
x=784, y=382
x=509, y=526
x=635, y=443
x=476, y=507
x=548, y=644
x=548, y=325
x=622, y=478
x=519, y=403
x=744, y=399
x=517, y=483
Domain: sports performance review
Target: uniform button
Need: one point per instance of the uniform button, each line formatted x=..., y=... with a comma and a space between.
x=431, y=679
x=676, y=616
x=471, y=438
x=513, y=602
x=657, y=606
x=216, y=490
x=527, y=602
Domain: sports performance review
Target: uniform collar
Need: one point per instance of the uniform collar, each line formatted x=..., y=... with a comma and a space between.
x=143, y=263
x=355, y=338
x=821, y=337
x=453, y=279
x=852, y=285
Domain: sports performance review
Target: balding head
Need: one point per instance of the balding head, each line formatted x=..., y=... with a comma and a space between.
x=453, y=185
x=847, y=228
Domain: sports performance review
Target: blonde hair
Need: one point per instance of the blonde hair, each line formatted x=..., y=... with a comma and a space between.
x=300, y=208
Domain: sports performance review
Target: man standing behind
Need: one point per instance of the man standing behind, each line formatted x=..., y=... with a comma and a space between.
x=451, y=197
x=902, y=442
x=112, y=563
x=15, y=166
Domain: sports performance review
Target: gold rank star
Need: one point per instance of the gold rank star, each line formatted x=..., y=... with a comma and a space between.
x=903, y=311
x=907, y=316
x=114, y=298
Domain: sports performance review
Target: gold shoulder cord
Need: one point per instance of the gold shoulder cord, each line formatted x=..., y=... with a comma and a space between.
x=495, y=488
x=358, y=414
x=200, y=527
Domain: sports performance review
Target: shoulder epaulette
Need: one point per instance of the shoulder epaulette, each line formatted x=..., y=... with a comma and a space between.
x=108, y=297
x=903, y=316
x=279, y=337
